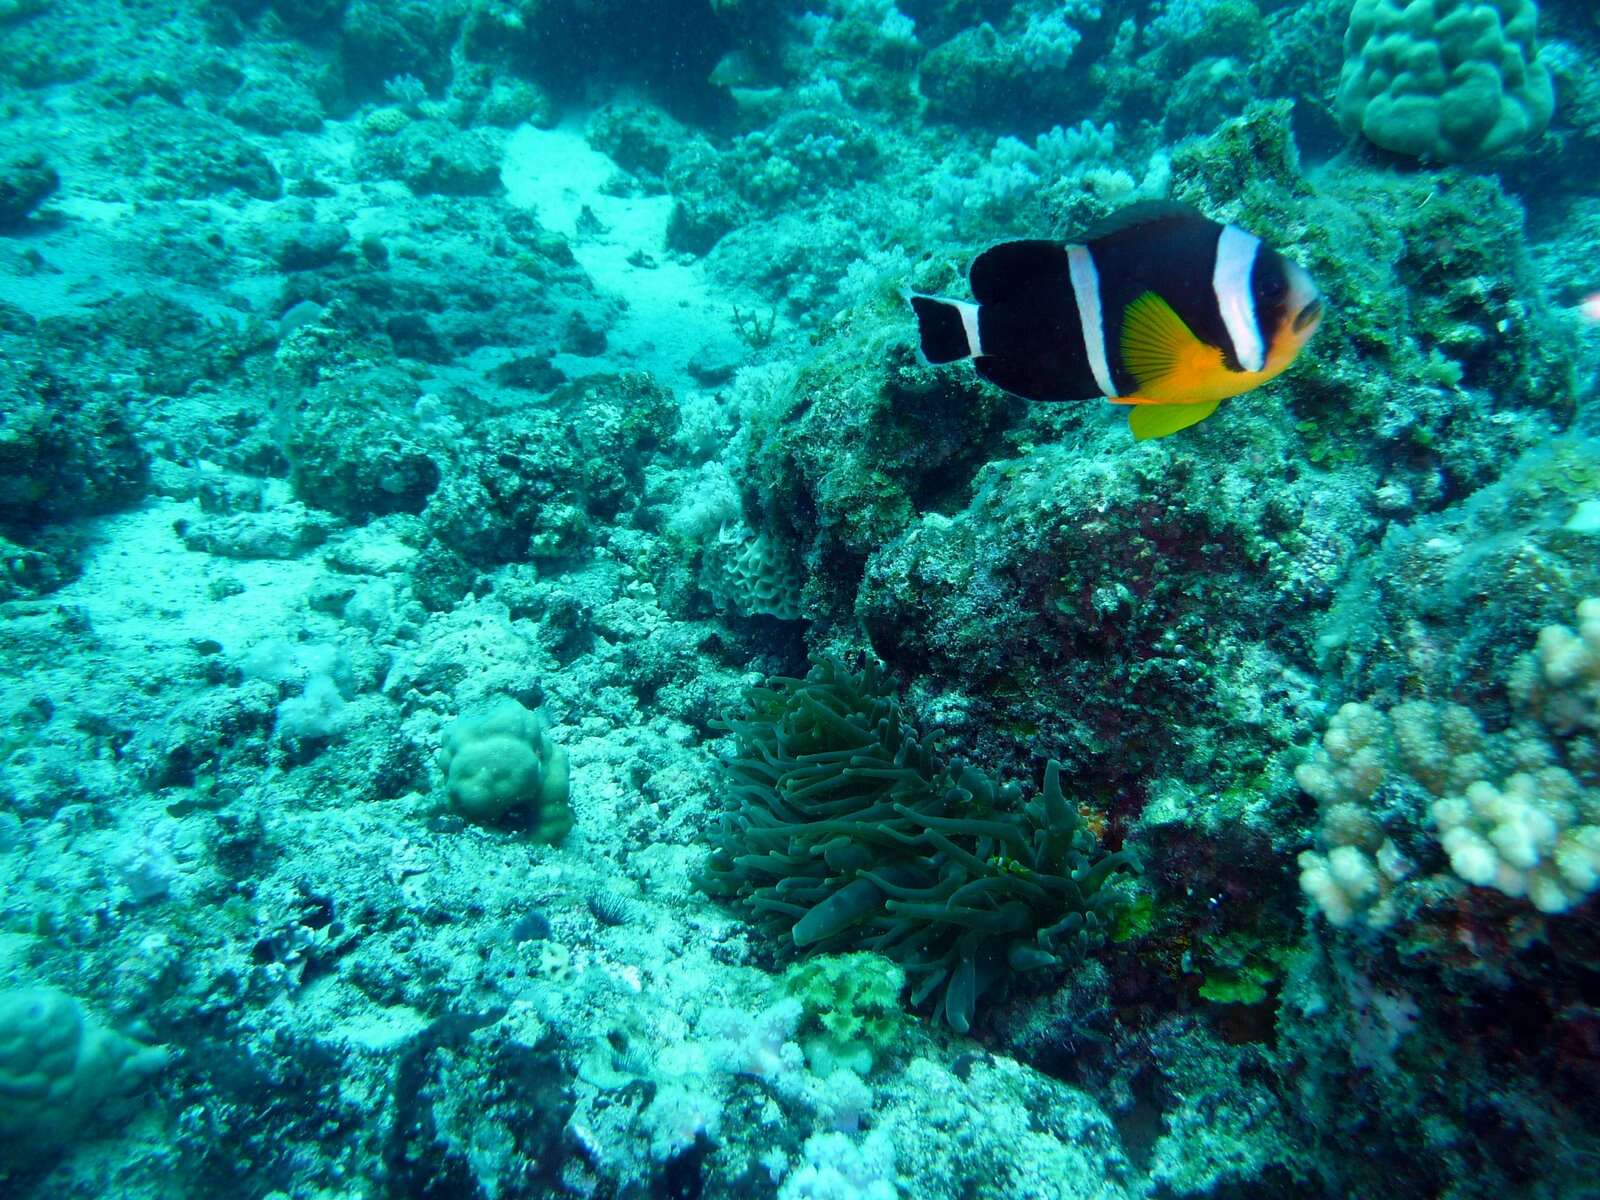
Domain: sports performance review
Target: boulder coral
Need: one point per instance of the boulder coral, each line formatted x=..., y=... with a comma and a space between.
x=1444, y=80
x=501, y=765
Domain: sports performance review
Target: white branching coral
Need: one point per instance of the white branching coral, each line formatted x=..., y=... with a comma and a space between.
x=1441, y=746
x=1355, y=755
x=1352, y=883
x=1353, y=886
x=1560, y=683
x=1535, y=834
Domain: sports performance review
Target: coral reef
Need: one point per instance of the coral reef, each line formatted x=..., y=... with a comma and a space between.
x=436, y=437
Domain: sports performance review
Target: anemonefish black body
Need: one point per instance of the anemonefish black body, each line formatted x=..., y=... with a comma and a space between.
x=1159, y=308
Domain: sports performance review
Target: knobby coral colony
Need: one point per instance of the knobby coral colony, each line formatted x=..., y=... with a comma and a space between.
x=846, y=831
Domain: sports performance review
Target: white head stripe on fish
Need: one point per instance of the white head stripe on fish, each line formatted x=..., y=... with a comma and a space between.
x=1086, y=290
x=1230, y=279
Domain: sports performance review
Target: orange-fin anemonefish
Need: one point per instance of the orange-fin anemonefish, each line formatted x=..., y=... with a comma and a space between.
x=1159, y=307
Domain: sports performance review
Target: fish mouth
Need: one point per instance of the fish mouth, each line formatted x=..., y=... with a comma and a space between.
x=1308, y=316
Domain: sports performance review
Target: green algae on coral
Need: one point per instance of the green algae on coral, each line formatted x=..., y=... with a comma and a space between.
x=852, y=1008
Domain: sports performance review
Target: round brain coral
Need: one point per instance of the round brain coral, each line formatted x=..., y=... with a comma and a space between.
x=501, y=766
x=58, y=1068
x=1444, y=80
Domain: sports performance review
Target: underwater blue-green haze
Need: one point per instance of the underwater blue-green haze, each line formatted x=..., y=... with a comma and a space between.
x=799, y=599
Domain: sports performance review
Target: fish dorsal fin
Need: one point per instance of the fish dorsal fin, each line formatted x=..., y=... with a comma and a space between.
x=1145, y=212
x=1158, y=420
x=1161, y=352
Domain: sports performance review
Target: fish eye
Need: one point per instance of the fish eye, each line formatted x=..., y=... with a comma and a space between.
x=1307, y=315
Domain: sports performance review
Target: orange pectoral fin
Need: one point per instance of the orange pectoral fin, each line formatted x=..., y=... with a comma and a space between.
x=1133, y=400
x=1171, y=365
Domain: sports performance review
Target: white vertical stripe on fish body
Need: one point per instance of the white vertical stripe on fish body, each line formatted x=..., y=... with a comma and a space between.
x=1091, y=318
x=1230, y=280
x=969, y=322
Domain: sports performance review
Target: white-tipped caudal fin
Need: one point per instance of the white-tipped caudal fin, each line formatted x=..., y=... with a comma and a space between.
x=947, y=330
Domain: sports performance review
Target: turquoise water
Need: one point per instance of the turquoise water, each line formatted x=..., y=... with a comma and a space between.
x=520, y=681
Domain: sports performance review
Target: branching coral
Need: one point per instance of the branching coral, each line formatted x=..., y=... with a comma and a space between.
x=1353, y=881
x=1517, y=811
x=847, y=831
